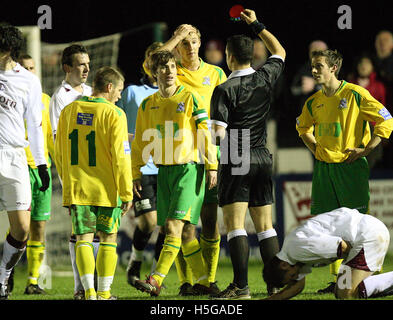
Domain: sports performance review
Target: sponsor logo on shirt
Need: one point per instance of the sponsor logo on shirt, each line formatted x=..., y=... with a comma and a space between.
x=85, y=119
x=180, y=107
x=385, y=113
x=7, y=102
x=343, y=104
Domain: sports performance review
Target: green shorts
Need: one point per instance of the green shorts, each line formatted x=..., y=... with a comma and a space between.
x=90, y=219
x=40, y=200
x=180, y=192
x=336, y=185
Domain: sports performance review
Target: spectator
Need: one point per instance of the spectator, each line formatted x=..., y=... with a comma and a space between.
x=214, y=54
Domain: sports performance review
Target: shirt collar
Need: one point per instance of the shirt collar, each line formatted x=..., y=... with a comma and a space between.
x=241, y=73
x=68, y=86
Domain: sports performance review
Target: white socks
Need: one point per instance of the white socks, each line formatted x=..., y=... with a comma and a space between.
x=375, y=285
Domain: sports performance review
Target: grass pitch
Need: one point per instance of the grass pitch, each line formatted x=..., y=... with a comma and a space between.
x=62, y=283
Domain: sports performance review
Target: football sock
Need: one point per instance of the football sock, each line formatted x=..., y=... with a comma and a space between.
x=239, y=252
x=35, y=255
x=12, y=252
x=193, y=256
x=211, y=253
x=376, y=285
x=169, y=251
x=86, y=265
x=77, y=280
x=106, y=267
x=183, y=270
x=334, y=268
x=268, y=244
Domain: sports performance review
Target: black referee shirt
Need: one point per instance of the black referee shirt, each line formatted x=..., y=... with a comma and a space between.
x=243, y=102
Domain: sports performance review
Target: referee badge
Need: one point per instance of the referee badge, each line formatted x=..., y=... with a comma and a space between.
x=343, y=104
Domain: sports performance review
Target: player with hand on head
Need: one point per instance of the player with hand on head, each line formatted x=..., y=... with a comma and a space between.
x=361, y=240
x=20, y=101
x=93, y=159
x=41, y=201
x=76, y=66
x=172, y=127
x=243, y=103
x=334, y=125
x=201, y=77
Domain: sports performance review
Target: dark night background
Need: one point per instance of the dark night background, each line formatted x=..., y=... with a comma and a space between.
x=294, y=23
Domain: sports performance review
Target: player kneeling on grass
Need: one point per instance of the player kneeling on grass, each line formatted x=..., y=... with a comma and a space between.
x=172, y=126
x=93, y=160
x=361, y=240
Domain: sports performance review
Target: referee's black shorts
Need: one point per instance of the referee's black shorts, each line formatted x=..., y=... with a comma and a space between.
x=148, y=200
x=254, y=187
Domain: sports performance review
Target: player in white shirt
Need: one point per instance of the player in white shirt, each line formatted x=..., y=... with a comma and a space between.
x=75, y=63
x=360, y=239
x=20, y=100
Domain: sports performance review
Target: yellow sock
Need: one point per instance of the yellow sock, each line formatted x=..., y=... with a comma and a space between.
x=335, y=267
x=106, y=267
x=211, y=254
x=183, y=270
x=193, y=255
x=35, y=255
x=169, y=251
x=86, y=266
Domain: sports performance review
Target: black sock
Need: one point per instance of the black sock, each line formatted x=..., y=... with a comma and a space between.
x=269, y=248
x=239, y=251
x=159, y=244
x=140, y=239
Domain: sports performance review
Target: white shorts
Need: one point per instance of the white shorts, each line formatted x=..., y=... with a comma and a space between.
x=370, y=246
x=15, y=188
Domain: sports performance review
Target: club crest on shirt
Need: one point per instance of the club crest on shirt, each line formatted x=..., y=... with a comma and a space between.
x=180, y=107
x=206, y=81
x=2, y=86
x=343, y=104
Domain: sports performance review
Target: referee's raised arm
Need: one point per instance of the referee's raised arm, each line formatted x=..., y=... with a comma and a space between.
x=270, y=41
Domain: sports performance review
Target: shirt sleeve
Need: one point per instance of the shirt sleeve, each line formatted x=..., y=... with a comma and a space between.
x=138, y=143
x=305, y=122
x=219, y=107
x=372, y=110
x=55, y=107
x=121, y=156
x=58, y=154
x=207, y=150
x=33, y=116
x=271, y=70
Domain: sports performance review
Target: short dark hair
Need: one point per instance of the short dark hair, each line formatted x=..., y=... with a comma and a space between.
x=160, y=58
x=273, y=274
x=332, y=57
x=11, y=40
x=24, y=56
x=67, y=56
x=241, y=47
x=106, y=75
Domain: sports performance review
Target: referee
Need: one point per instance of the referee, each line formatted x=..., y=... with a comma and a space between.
x=239, y=111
